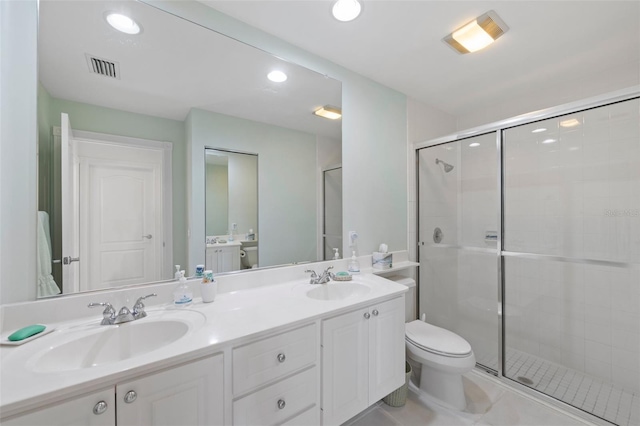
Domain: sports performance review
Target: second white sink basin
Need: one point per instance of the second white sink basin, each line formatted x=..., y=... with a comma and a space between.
x=93, y=346
x=337, y=291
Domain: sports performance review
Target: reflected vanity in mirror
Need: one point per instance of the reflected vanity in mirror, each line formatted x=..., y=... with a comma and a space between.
x=231, y=210
x=138, y=105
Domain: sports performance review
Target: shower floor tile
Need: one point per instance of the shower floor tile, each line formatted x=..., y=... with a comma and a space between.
x=592, y=395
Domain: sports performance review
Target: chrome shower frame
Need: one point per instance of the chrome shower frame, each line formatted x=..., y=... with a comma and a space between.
x=499, y=127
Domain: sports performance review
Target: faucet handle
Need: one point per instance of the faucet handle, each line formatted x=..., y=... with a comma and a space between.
x=138, y=308
x=313, y=273
x=108, y=315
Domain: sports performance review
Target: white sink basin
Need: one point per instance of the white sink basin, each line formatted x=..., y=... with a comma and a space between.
x=91, y=346
x=337, y=291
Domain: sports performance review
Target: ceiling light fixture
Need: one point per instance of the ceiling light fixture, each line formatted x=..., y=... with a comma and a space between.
x=328, y=111
x=123, y=23
x=549, y=141
x=572, y=122
x=477, y=34
x=474, y=144
x=346, y=10
x=277, y=76
x=539, y=130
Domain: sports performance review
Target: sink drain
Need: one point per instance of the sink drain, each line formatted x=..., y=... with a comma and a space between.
x=524, y=380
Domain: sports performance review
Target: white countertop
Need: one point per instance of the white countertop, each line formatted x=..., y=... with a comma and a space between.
x=233, y=318
x=227, y=244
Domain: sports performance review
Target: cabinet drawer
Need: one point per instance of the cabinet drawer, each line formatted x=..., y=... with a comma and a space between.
x=310, y=417
x=278, y=402
x=259, y=362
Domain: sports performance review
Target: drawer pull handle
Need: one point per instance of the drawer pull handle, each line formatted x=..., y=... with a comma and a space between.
x=130, y=396
x=375, y=312
x=367, y=315
x=100, y=408
x=281, y=403
x=281, y=357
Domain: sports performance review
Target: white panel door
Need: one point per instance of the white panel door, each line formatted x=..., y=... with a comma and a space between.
x=121, y=229
x=345, y=367
x=190, y=395
x=76, y=412
x=386, y=348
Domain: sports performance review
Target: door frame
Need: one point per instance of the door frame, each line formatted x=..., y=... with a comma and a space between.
x=166, y=149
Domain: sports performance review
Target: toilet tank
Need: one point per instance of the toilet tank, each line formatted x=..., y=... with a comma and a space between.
x=409, y=297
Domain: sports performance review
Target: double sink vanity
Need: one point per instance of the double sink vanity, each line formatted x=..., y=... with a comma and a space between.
x=271, y=349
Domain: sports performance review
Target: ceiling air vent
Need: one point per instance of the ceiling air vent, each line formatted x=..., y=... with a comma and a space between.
x=103, y=67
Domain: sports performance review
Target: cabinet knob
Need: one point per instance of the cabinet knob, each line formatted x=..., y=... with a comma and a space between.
x=367, y=315
x=100, y=407
x=375, y=312
x=130, y=396
x=281, y=357
x=281, y=404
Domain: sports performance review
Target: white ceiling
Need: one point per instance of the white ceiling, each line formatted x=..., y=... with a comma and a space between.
x=173, y=66
x=550, y=44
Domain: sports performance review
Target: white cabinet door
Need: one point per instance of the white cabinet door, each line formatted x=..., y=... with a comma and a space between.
x=229, y=259
x=386, y=348
x=362, y=359
x=79, y=411
x=211, y=262
x=188, y=395
x=345, y=367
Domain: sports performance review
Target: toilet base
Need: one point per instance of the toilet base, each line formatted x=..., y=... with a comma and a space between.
x=445, y=387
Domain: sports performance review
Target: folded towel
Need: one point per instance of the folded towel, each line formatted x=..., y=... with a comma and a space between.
x=46, y=284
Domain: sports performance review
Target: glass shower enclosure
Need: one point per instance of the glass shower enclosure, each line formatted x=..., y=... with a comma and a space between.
x=529, y=245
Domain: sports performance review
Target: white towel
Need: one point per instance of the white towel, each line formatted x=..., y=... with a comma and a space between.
x=46, y=285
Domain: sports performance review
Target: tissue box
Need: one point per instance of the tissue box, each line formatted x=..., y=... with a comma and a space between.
x=381, y=260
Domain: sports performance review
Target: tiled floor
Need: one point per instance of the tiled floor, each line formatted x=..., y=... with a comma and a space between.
x=585, y=392
x=489, y=403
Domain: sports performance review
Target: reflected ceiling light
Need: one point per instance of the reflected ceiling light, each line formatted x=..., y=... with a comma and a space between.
x=346, y=10
x=328, y=111
x=549, y=141
x=277, y=76
x=122, y=23
x=572, y=122
x=477, y=34
x=474, y=144
x=539, y=130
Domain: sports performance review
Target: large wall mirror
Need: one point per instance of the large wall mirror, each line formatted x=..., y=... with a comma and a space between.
x=119, y=117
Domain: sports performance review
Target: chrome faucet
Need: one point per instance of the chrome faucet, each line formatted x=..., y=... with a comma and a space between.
x=109, y=316
x=322, y=279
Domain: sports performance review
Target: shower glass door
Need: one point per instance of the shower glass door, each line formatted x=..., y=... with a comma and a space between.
x=458, y=228
x=572, y=259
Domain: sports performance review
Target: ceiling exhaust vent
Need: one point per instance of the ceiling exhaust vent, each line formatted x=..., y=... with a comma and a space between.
x=103, y=67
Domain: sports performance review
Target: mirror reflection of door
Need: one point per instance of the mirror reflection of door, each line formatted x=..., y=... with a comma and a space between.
x=231, y=210
x=332, y=215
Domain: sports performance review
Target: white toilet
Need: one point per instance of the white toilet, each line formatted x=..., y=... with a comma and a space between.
x=443, y=355
x=249, y=255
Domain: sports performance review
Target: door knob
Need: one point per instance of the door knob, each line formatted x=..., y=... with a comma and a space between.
x=68, y=260
x=100, y=407
x=148, y=236
x=281, y=357
x=367, y=315
x=130, y=396
x=375, y=312
x=281, y=404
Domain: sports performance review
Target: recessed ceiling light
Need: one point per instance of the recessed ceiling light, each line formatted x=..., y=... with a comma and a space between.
x=549, y=141
x=346, y=10
x=539, y=130
x=328, y=111
x=123, y=23
x=477, y=34
x=277, y=76
x=572, y=122
x=474, y=144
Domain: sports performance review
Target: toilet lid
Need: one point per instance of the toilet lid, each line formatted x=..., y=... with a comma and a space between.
x=437, y=340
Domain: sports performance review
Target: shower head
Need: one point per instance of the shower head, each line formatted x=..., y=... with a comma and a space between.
x=447, y=167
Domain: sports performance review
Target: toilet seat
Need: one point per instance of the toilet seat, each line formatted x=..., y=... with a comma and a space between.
x=436, y=340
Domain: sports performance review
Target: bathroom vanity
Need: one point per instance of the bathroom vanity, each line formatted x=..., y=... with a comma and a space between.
x=278, y=353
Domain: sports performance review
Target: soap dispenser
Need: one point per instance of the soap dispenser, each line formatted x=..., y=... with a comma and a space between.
x=354, y=265
x=177, y=274
x=336, y=255
x=183, y=295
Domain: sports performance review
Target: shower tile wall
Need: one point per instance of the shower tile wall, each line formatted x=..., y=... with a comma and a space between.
x=575, y=192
